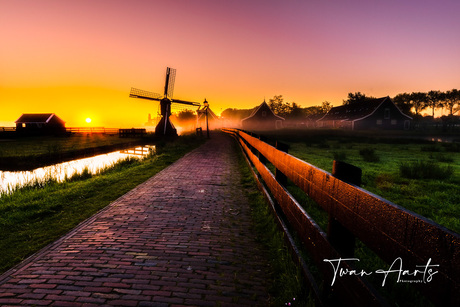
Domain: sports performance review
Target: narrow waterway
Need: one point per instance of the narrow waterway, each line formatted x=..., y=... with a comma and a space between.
x=9, y=181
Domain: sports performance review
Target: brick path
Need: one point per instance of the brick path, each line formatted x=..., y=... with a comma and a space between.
x=183, y=238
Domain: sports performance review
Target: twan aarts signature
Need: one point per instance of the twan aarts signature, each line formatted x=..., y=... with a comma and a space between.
x=421, y=274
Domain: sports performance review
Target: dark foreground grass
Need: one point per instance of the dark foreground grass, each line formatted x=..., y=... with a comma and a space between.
x=34, y=217
x=287, y=286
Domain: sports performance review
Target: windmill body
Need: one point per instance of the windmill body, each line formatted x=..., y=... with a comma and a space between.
x=165, y=127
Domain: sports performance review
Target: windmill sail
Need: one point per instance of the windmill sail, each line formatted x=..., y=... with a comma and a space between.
x=169, y=83
x=137, y=93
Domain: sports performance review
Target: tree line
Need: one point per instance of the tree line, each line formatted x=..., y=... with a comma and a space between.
x=434, y=100
x=414, y=103
x=287, y=110
x=411, y=104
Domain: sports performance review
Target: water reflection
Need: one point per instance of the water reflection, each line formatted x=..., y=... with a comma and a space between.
x=12, y=180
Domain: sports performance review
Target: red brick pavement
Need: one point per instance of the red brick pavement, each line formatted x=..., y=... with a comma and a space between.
x=182, y=238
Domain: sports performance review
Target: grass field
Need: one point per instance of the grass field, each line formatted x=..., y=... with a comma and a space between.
x=421, y=176
x=437, y=199
x=431, y=189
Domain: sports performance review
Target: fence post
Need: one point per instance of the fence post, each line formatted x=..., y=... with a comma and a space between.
x=339, y=236
x=280, y=177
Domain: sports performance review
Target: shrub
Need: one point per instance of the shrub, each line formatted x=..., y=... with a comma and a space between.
x=442, y=158
x=368, y=155
x=425, y=170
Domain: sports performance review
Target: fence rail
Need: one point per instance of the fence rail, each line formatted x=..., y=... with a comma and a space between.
x=389, y=230
x=90, y=130
x=94, y=130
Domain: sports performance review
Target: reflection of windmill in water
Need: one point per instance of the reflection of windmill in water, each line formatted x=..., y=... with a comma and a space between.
x=164, y=127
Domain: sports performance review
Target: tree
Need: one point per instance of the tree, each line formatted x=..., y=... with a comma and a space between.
x=452, y=101
x=296, y=112
x=279, y=107
x=403, y=102
x=356, y=97
x=185, y=115
x=315, y=110
x=418, y=101
x=326, y=106
x=236, y=114
x=433, y=100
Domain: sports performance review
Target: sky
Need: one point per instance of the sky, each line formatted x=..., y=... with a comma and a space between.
x=79, y=59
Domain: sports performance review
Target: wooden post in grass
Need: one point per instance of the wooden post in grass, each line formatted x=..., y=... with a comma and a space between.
x=280, y=177
x=262, y=159
x=340, y=237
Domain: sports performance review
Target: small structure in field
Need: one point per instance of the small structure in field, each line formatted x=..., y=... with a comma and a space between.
x=262, y=118
x=380, y=113
x=40, y=123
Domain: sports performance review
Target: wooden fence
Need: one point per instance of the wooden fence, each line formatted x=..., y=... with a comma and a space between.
x=391, y=231
x=93, y=130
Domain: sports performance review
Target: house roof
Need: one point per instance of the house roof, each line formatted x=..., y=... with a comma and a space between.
x=36, y=118
x=262, y=105
x=356, y=111
x=211, y=115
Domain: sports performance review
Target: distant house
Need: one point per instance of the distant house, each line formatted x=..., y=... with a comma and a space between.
x=213, y=120
x=379, y=113
x=40, y=123
x=262, y=118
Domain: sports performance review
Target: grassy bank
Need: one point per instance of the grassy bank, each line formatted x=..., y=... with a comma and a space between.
x=33, y=217
x=40, y=145
x=287, y=286
x=27, y=153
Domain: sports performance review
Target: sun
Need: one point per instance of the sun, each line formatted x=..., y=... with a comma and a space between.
x=88, y=120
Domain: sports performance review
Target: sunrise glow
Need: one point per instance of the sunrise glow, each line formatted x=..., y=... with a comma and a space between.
x=88, y=120
x=69, y=57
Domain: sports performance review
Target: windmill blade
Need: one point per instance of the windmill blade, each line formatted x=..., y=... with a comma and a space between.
x=137, y=93
x=186, y=102
x=169, y=83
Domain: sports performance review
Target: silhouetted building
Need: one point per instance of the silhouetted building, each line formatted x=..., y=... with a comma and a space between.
x=262, y=118
x=380, y=113
x=214, y=121
x=40, y=123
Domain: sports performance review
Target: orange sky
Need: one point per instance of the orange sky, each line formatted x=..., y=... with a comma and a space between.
x=79, y=59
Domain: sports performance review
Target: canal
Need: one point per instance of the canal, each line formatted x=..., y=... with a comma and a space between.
x=11, y=180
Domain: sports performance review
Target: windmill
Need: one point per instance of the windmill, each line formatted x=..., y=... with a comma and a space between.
x=164, y=127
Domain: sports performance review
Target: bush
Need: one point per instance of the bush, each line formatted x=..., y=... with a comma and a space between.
x=425, y=170
x=368, y=155
x=442, y=158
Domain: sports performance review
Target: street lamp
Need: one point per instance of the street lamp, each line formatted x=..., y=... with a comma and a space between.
x=206, y=106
